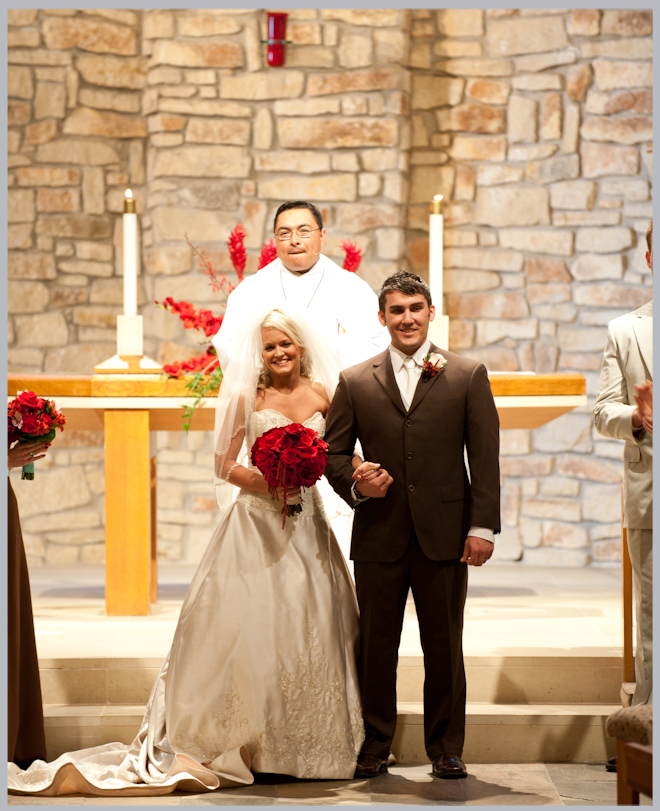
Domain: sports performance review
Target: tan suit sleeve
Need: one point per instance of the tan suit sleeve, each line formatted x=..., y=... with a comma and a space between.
x=613, y=409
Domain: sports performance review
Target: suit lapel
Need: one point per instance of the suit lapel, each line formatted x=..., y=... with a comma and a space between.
x=424, y=386
x=384, y=374
x=643, y=328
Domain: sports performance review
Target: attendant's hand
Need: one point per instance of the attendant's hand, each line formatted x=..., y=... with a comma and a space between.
x=376, y=487
x=644, y=410
x=366, y=472
x=25, y=452
x=477, y=551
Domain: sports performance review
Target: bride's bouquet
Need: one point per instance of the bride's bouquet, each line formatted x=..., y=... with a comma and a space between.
x=32, y=419
x=292, y=456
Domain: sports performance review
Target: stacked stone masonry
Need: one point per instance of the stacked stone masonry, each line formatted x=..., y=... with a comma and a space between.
x=532, y=123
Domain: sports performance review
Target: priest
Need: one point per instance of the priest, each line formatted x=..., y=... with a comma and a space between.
x=342, y=306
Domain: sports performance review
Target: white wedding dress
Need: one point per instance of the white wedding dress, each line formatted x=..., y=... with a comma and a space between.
x=262, y=671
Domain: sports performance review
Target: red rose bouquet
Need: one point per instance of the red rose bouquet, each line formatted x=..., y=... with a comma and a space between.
x=292, y=456
x=32, y=419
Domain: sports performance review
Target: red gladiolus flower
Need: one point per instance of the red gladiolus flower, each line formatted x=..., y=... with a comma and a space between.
x=353, y=255
x=205, y=363
x=237, y=250
x=268, y=253
x=201, y=319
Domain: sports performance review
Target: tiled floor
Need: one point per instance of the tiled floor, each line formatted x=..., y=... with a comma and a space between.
x=487, y=784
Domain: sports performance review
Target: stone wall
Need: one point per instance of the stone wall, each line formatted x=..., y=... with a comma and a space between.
x=532, y=123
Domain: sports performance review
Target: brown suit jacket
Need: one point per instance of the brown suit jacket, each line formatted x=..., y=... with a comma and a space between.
x=423, y=450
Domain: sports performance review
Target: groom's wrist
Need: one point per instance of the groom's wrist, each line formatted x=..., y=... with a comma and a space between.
x=482, y=532
x=358, y=498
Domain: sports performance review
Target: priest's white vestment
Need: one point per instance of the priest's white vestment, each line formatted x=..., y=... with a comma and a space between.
x=341, y=305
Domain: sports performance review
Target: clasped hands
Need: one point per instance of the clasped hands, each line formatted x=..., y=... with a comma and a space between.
x=643, y=414
x=374, y=481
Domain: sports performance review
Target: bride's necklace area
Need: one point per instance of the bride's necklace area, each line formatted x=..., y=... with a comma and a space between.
x=315, y=289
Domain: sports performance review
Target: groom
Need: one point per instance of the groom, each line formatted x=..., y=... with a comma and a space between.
x=420, y=520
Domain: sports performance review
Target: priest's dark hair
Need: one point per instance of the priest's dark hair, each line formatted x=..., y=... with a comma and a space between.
x=403, y=282
x=299, y=204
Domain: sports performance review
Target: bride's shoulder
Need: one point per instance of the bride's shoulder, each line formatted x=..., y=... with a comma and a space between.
x=320, y=395
x=319, y=389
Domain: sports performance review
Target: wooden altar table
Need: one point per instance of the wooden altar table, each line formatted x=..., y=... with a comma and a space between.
x=130, y=408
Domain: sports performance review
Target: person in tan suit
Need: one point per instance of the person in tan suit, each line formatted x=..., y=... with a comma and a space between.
x=419, y=518
x=624, y=410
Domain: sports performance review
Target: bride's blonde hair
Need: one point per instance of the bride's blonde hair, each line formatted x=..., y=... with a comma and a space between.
x=276, y=319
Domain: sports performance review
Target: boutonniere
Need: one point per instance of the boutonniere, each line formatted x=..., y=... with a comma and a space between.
x=432, y=365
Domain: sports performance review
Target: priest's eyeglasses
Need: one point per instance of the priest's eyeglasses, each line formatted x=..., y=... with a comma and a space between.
x=302, y=233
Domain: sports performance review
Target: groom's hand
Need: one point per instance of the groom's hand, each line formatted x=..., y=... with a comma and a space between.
x=377, y=486
x=477, y=551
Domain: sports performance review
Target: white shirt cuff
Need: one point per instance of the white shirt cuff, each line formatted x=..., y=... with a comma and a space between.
x=482, y=532
x=357, y=498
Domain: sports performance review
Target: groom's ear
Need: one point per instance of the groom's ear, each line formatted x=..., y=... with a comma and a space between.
x=381, y=318
x=431, y=312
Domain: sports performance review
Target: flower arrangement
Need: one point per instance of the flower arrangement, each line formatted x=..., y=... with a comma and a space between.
x=32, y=419
x=292, y=456
x=205, y=368
x=432, y=365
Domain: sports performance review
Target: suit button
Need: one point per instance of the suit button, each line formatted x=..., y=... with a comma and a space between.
x=408, y=423
x=411, y=487
x=409, y=456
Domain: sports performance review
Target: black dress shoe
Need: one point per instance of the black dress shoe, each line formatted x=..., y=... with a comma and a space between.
x=370, y=766
x=610, y=766
x=449, y=767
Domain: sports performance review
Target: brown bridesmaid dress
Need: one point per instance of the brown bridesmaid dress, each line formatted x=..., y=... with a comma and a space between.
x=25, y=719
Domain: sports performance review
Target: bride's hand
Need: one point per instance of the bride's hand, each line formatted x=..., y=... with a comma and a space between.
x=366, y=471
x=291, y=493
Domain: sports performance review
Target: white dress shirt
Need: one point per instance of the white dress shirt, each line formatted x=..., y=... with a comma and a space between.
x=407, y=373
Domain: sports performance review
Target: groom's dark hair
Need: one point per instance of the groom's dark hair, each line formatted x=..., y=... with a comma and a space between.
x=403, y=282
x=299, y=204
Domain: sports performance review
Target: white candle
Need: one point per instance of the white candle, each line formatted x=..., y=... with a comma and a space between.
x=436, y=237
x=130, y=255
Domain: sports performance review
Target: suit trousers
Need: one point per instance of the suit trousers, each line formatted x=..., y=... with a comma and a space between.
x=438, y=588
x=640, y=548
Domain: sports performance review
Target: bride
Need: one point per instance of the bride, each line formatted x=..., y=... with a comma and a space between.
x=261, y=675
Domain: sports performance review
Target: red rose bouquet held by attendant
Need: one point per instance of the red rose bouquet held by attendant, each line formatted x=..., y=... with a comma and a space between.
x=292, y=456
x=32, y=419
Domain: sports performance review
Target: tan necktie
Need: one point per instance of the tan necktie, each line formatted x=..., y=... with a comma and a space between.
x=410, y=382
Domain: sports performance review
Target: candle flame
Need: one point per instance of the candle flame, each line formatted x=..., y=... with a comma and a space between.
x=129, y=194
x=437, y=197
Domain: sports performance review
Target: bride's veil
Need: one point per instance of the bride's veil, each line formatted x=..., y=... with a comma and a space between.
x=238, y=389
